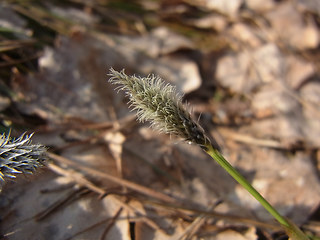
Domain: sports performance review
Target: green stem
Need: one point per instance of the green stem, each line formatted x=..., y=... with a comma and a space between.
x=293, y=231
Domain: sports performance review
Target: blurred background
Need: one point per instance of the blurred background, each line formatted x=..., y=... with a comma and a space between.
x=249, y=69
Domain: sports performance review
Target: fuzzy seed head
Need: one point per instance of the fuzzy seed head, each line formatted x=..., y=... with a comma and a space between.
x=19, y=156
x=158, y=102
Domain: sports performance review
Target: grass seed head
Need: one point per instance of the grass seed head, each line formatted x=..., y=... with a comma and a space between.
x=159, y=103
x=19, y=156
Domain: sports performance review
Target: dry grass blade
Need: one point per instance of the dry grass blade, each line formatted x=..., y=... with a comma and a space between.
x=70, y=197
x=251, y=140
x=10, y=62
x=140, y=215
x=77, y=177
x=109, y=226
x=7, y=45
x=134, y=186
x=109, y=126
x=193, y=228
x=91, y=227
x=43, y=17
x=186, y=208
x=80, y=125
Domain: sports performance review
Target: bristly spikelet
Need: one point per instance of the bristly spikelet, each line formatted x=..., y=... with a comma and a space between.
x=158, y=102
x=19, y=156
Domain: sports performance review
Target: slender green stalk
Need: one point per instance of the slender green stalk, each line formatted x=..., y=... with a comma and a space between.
x=292, y=230
x=217, y=156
